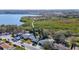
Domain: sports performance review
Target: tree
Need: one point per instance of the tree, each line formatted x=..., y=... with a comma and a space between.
x=26, y=20
x=72, y=42
x=27, y=23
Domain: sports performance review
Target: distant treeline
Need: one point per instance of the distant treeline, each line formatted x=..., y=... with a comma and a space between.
x=10, y=28
x=43, y=12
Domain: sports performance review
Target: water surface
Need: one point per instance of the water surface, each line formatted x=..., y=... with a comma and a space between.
x=12, y=19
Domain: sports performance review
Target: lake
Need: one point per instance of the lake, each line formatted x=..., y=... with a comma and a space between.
x=12, y=19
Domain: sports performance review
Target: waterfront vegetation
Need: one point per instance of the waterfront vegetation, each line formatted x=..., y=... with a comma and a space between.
x=70, y=24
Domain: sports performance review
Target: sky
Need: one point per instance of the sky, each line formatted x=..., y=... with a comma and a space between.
x=39, y=4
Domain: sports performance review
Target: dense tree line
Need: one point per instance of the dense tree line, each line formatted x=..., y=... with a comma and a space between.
x=9, y=28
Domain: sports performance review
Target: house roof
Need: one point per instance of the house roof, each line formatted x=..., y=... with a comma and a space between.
x=5, y=45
